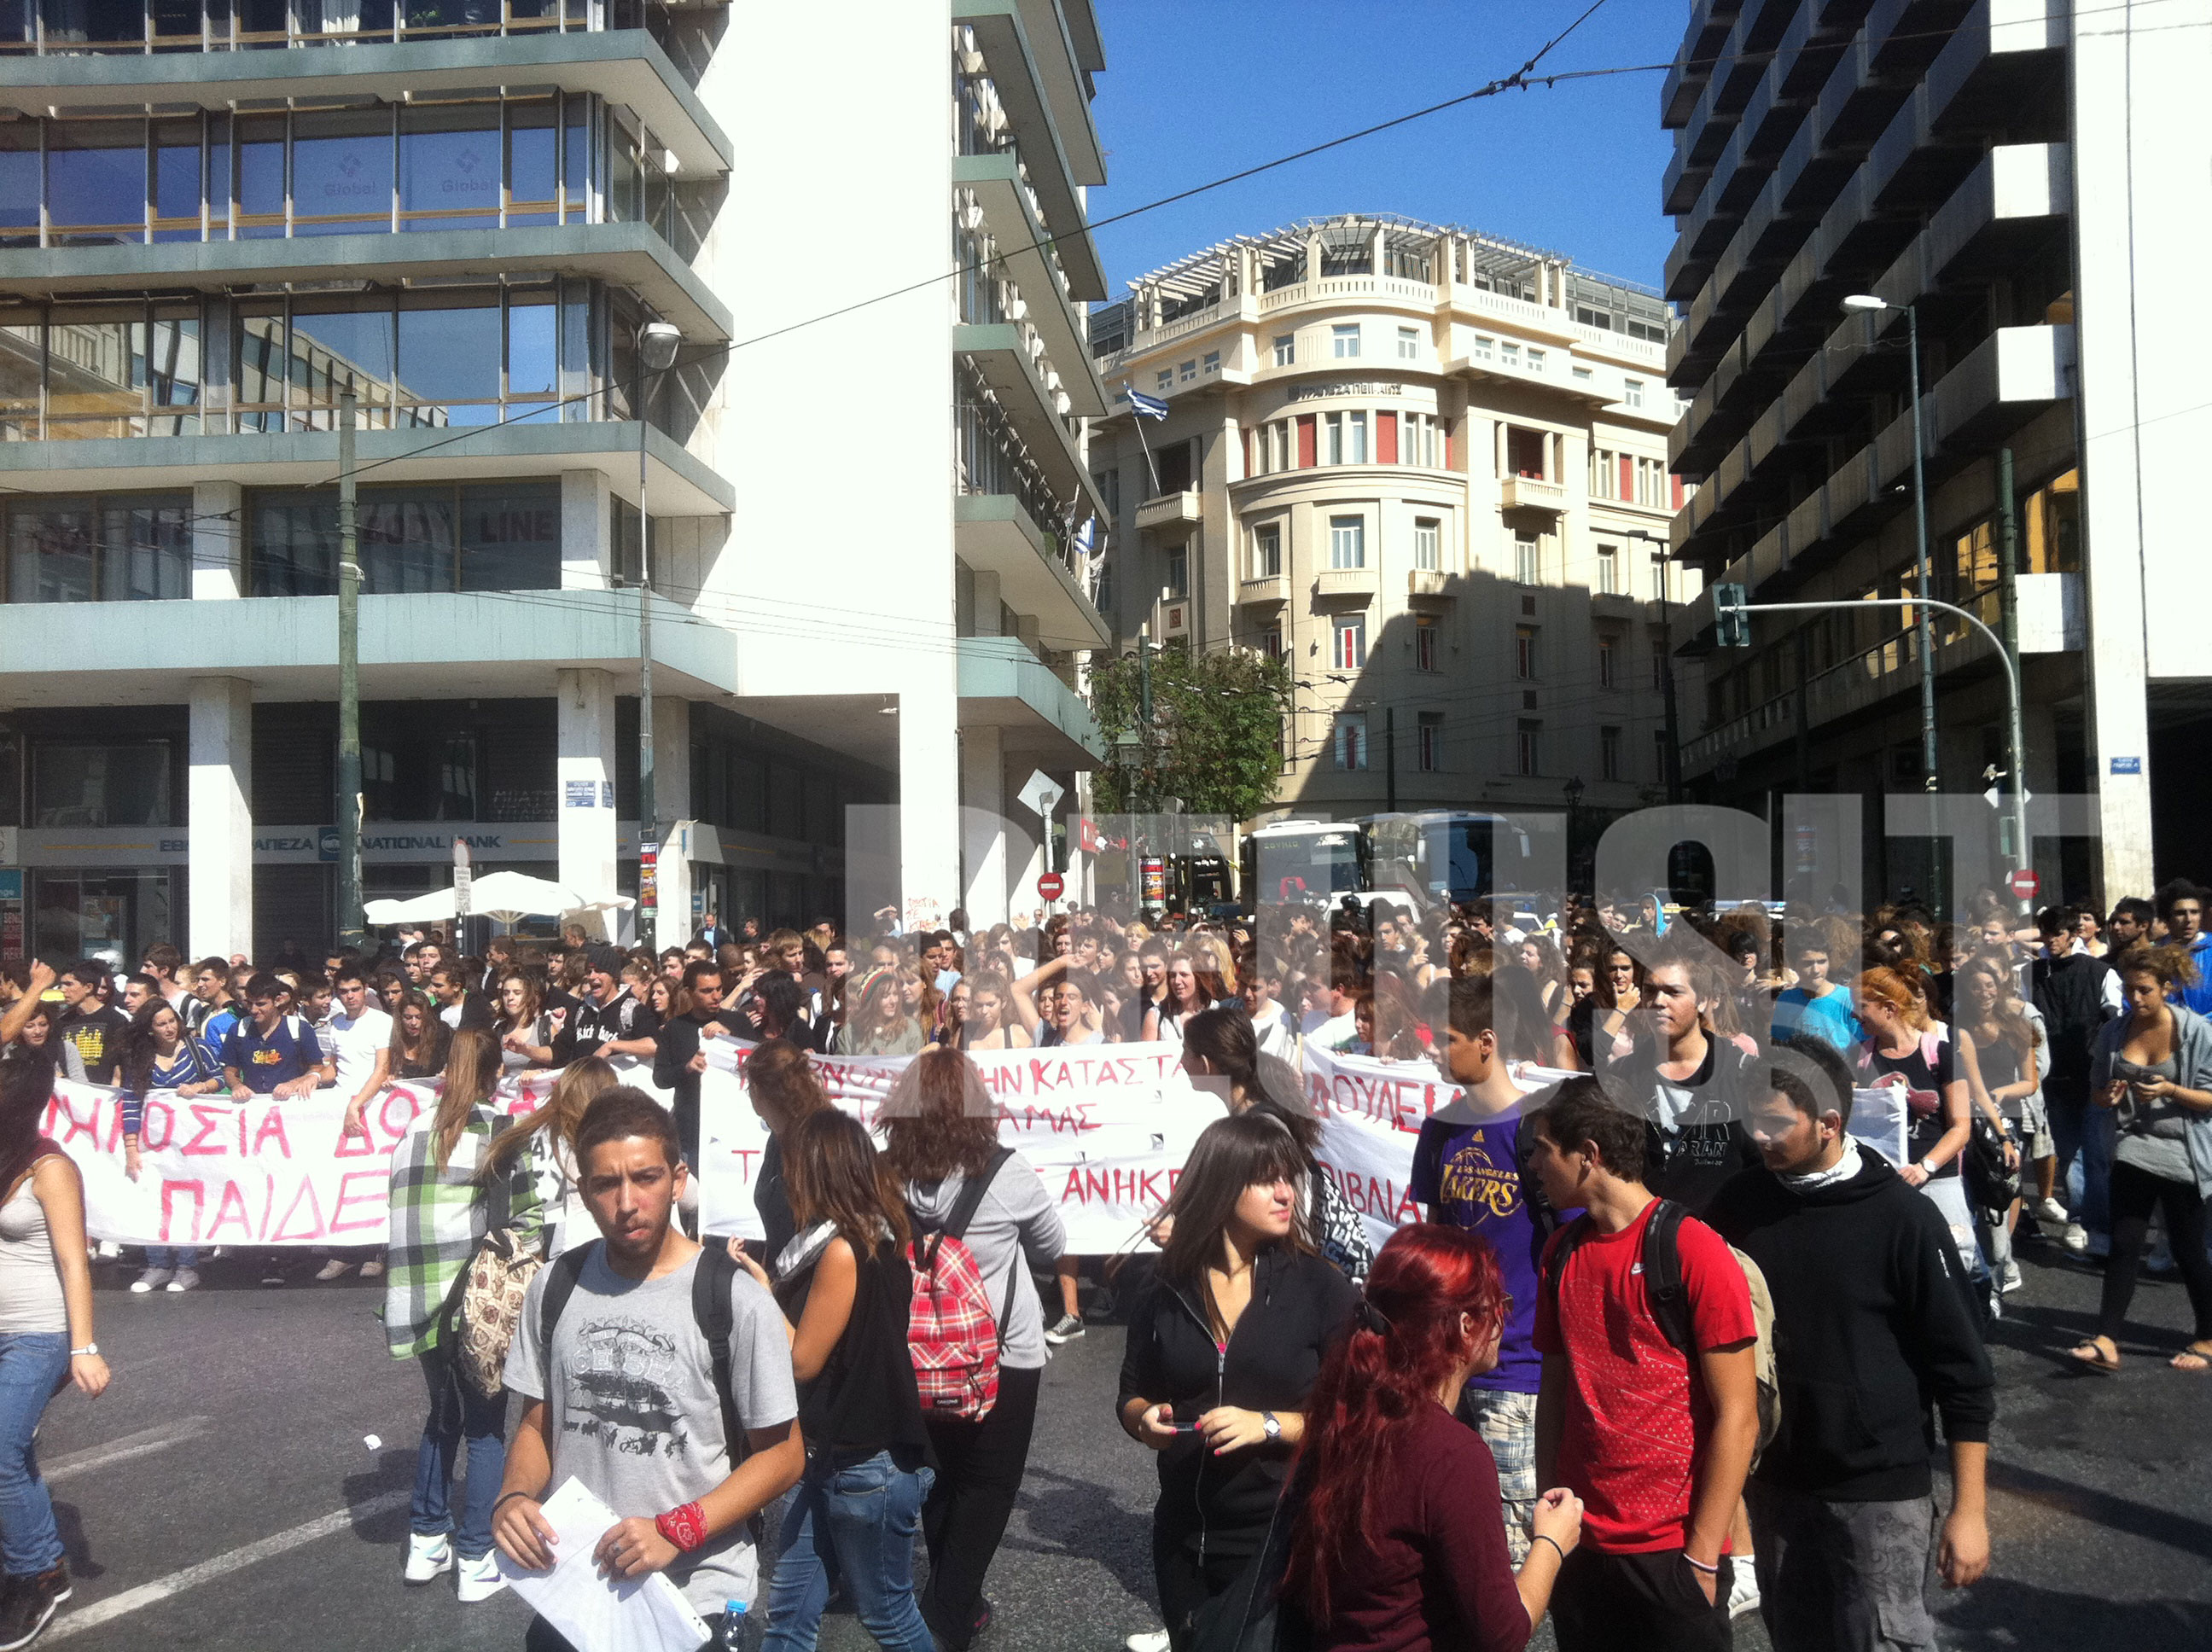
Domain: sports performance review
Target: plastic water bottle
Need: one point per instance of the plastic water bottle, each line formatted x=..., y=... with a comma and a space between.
x=734, y=1625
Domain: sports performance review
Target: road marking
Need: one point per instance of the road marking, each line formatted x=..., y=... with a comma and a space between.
x=163, y=1588
x=127, y=1447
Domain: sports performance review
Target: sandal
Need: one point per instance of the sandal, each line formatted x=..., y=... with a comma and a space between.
x=2197, y=1357
x=2090, y=1352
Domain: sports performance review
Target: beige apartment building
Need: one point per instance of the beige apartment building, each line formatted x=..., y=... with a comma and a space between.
x=1430, y=465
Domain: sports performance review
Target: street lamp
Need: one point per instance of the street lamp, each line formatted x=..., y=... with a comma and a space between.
x=1855, y=303
x=657, y=343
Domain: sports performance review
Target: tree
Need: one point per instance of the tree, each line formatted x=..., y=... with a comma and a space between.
x=1216, y=740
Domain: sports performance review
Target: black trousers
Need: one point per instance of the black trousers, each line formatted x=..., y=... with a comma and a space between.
x=2135, y=1192
x=1186, y=1583
x=979, y=1474
x=1648, y=1602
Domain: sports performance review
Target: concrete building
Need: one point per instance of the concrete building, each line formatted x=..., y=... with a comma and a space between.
x=2026, y=177
x=1428, y=464
x=864, y=475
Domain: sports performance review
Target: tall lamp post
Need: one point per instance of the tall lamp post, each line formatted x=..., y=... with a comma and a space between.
x=1925, y=642
x=657, y=342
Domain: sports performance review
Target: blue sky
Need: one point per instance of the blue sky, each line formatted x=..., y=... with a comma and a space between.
x=1196, y=88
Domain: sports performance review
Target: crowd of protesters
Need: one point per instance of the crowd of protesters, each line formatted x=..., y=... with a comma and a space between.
x=1670, y=1342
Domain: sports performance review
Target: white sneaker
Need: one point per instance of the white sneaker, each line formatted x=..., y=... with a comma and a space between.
x=152, y=1279
x=1743, y=1592
x=188, y=1278
x=372, y=1270
x=334, y=1269
x=480, y=1579
x=1148, y=1640
x=428, y=1557
x=2075, y=1238
x=2011, y=1281
x=109, y=1249
x=2051, y=1211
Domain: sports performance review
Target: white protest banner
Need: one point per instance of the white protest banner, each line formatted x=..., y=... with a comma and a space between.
x=1108, y=1126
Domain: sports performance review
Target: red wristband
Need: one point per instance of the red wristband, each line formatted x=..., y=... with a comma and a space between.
x=686, y=1527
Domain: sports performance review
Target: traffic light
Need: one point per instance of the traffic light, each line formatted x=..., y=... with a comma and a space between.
x=1731, y=623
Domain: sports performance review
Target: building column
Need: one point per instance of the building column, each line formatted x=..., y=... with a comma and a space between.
x=929, y=803
x=219, y=809
x=983, y=824
x=671, y=797
x=585, y=781
x=218, y=541
x=587, y=530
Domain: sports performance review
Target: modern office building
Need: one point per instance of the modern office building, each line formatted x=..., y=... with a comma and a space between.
x=1428, y=464
x=2025, y=181
x=864, y=474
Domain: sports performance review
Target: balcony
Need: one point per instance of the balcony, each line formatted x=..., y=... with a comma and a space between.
x=1266, y=591
x=1004, y=686
x=1428, y=582
x=1529, y=493
x=626, y=66
x=1172, y=516
x=1003, y=359
x=1045, y=96
x=630, y=255
x=995, y=533
x=1052, y=274
x=1360, y=582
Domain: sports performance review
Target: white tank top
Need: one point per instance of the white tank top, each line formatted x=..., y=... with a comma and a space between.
x=30, y=1284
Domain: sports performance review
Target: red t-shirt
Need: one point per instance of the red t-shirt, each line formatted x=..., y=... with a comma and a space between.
x=1635, y=1422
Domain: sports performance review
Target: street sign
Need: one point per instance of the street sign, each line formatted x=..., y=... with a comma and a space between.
x=1049, y=886
x=1041, y=794
x=2024, y=884
x=462, y=876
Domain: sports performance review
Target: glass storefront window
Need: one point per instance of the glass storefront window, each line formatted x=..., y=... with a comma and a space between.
x=449, y=358
x=449, y=167
x=102, y=785
x=341, y=171
x=498, y=535
x=114, y=548
x=96, y=182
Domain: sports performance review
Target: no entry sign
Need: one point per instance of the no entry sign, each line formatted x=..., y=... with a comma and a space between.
x=2024, y=884
x=1049, y=884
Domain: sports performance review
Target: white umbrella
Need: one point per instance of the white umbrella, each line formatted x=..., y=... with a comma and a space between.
x=507, y=895
x=435, y=907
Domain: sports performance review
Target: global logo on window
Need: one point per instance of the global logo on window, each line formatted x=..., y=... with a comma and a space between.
x=466, y=162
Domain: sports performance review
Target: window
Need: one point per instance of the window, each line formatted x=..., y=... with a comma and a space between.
x=1425, y=643
x=1524, y=652
x=1286, y=348
x=1351, y=740
x=1524, y=559
x=1583, y=376
x=1347, y=542
x=1651, y=483
x=1109, y=481
x=1175, y=572
x=1267, y=551
x=1509, y=354
x=1428, y=543
x=1271, y=641
x=1343, y=340
x=1608, y=570
x=1658, y=754
x=1659, y=576
x=1658, y=657
x=1483, y=346
x=1604, y=474
x=116, y=548
x=1409, y=343
x=1608, y=654
x=1430, y=735
x=1356, y=433
x=1279, y=444
x=1525, y=453
x=1213, y=362
x=478, y=536
x=1608, y=754
x=1348, y=642
x=1164, y=379
x=1529, y=736
x=1186, y=371
x=1632, y=392
x=1536, y=360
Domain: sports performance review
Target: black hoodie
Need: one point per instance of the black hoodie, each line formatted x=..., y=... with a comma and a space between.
x=1871, y=1329
x=1221, y=1505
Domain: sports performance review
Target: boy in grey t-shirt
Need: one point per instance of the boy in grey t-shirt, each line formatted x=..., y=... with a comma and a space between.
x=627, y=1403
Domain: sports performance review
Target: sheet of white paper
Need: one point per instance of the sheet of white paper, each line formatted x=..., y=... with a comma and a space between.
x=595, y=1613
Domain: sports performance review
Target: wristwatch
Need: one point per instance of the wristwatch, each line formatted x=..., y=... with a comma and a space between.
x=1271, y=1425
x=1926, y=1168
x=89, y=1348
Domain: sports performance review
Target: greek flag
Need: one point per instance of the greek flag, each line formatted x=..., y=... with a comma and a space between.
x=1144, y=406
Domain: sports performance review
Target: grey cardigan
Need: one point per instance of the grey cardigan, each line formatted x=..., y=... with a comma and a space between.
x=1017, y=1227
x=2192, y=1049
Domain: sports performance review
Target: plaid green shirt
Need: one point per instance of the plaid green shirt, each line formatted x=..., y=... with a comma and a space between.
x=439, y=1218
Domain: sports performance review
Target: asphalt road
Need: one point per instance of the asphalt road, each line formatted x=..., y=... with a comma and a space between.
x=221, y=1494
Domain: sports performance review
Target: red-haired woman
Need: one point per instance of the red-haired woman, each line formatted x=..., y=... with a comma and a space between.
x=1400, y=1540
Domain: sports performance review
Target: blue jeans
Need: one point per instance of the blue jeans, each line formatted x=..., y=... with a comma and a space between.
x=171, y=1256
x=2081, y=1137
x=32, y=1363
x=457, y=1412
x=866, y=1515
